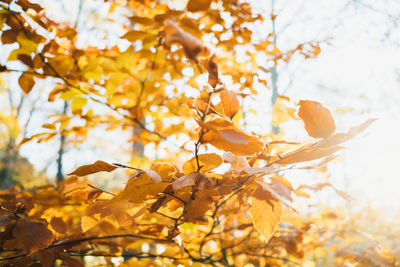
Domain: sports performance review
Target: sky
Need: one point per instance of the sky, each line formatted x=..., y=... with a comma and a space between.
x=358, y=68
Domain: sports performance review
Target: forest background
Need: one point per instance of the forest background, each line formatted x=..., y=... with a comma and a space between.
x=351, y=68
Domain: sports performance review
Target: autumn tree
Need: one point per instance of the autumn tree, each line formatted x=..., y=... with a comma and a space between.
x=177, y=74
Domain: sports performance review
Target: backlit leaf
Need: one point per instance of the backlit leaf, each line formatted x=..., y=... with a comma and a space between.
x=191, y=44
x=206, y=161
x=199, y=179
x=224, y=135
x=230, y=103
x=98, y=166
x=343, y=137
x=265, y=212
x=317, y=119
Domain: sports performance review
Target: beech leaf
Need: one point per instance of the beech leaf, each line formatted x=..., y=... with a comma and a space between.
x=201, y=180
x=317, y=119
x=224, y=135
x=98, y=166
x=26, y=82
x=265, y=212
x=343, y=137
x=32, y=235
x=206, y=161
x=230, y=103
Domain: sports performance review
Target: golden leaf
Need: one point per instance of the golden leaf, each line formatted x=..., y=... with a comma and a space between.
x=207, y=162
x=265, y=212
x=317, y=119
x=230, y=103
x=224, y=135
x=98, y=166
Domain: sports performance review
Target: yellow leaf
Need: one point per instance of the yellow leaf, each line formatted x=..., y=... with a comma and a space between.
x=265, y=212
x=317, y=119
x=230, y=103
x=206, y=161
x=224, y=135
x=88, y=223
x=98, y=166
x=77, y=104
x=141, y=187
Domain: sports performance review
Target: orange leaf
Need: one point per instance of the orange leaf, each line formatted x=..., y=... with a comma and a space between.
x=26, y=82
x=33, y=236
x=265, y=212
x=307, y=154
x=98, y=166
x=343, y=137
x=198, y=5
x=206, y=161
x=230, y=103
x=224, y=135
x=317, y=119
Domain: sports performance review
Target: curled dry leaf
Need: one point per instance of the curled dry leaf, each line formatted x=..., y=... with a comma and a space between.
x=206, y=161
x=224, y=135
x=265, y=212
x=200, y=180
x=32, y=235
x=98, y=166
x=174, y=34
x=230, y=103
x=317, y=119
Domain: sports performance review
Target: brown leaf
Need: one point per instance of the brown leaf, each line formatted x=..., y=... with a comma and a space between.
x=33, y=236
x=191, y=44
x=98, y=166
x=26, y=82
x=230, y=103
x=46, y=256
x=265, y=212
x=198, y=5
x=58, y=225
x=224, y=135
x=206, y=161
x=212, y=69
x=317, y=119
x=201, y=181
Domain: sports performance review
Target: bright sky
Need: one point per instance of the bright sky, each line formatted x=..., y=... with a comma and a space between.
x=358, y=70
